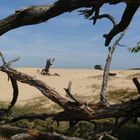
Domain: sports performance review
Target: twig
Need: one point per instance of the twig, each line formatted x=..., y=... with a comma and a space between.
x=69, y=94
x=6, y=65
x=2, y=57
x=121, y=45
x=14, y=60
x=108, y=16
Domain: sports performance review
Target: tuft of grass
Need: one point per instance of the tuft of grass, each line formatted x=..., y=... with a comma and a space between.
x=121, y=95
x=83, y=129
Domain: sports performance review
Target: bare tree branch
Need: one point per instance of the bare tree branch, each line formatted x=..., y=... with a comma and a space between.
x=15, y=92
x=32, y=116
x=126, y=119
x=21, y=133
x=43, y=87
x=40, y=136
x=6, y=65
x=106, y=70
x=137, y=84
x=79, y=113
x=38, y=14
x=69, y=94
x=127, y=16
x=108, y=16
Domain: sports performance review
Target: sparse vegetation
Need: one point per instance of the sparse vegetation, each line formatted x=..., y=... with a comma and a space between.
x=73, y=113
x=77, y=131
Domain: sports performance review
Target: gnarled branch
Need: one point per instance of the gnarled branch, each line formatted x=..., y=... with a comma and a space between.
x=6, y=65
x=38, y=14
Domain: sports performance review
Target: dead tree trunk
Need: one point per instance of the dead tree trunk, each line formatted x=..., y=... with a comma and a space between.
x=107, y=68
x=45, y=71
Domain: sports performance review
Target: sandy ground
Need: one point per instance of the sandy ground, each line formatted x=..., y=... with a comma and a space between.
x=85, y=82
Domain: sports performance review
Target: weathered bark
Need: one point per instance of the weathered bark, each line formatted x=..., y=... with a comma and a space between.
x=127, y=17
x=38, y=14
x=107, y=68
x=43, y=136
x=21, y=134
x=88, y=112
x=13, y=82
x=12, y=129
x=15, y=92
x=137, y=84
x=73, y=111
x=45, y=71
x=32, y=116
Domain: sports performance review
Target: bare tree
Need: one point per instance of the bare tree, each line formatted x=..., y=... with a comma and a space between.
x=45, y=71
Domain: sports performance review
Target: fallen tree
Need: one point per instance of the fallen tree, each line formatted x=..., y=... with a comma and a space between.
x=74, y=110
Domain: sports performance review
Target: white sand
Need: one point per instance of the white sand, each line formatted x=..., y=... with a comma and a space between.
x=85, y=82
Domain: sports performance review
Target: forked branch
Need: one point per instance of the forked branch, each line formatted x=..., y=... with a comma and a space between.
x=38, y=14
x=6, y=65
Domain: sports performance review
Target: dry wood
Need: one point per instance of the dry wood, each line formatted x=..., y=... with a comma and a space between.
x=32, y=116
x=103, y=98
x=137, y=84
x=22, y=136
x=73, y=111
x=27, y=134
x=6, y=65
x=15, y=92
x=40, y=85
x=69, y=94
x=45, y=71
x=43, y=136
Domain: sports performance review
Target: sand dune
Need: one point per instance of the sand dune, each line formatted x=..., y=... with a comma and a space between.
x=85, y=82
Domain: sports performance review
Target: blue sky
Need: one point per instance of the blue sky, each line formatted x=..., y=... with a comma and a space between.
x=73, y=41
